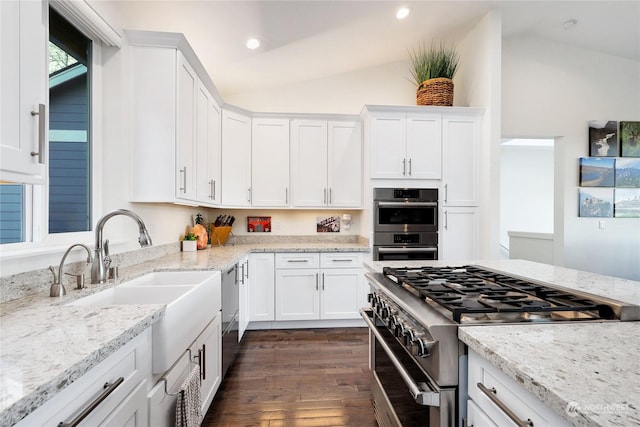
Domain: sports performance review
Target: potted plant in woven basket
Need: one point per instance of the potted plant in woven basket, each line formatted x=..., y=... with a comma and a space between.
x=432, y=71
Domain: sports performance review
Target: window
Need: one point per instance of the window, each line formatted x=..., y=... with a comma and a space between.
x=68, y=189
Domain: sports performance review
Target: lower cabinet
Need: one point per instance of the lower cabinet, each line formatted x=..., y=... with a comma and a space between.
x=460, y=233
x=495, y=399
x=314, y=286
x=206, y=352
x=118, y=385
x=262, y=287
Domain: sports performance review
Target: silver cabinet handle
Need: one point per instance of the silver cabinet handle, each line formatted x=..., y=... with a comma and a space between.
x=404, y=166
x=491, y=393
x=317, y=279
x=41, y=133
x=324, y=200
x=417, y=390
x=446, y=192
x=184, y=179
x=108, y=389
x=405, y=204
x=409, y=167
x=286, y=195
x=211, y=190
x=446, y=220
x=214, y=189
x=323, y=281
x=249, y=194
x=202, y=360
x=298, y=260
x=247, y=271
x=242, y=283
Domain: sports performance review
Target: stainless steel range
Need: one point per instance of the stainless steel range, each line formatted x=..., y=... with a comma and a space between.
x=414, y=314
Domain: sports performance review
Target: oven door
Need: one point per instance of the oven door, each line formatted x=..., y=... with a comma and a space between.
x=401, y=253
x=403, y=394
x=406, y=216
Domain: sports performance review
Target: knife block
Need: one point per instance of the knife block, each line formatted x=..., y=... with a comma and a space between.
x=219, y=235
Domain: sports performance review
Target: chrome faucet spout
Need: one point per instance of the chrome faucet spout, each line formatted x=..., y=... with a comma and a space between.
x=57, y=288
x=99, y=267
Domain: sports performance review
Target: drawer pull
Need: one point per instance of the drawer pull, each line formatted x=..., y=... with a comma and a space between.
x=108, y=389
x=342, y=260
x=491, y=393
x=297, y=260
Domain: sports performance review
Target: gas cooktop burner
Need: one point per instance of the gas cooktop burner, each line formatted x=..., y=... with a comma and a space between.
x=470, y=294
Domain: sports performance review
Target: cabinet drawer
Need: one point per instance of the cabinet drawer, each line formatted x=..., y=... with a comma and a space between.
x=340, y=260
x=298, y=260
x=131, y=362
x=524, y=404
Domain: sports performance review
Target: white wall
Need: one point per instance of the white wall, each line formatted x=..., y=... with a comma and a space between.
x=526, y=190
x=479, y=85
x=553, y=90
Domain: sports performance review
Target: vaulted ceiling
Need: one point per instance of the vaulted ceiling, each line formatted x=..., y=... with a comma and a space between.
x=307, y=40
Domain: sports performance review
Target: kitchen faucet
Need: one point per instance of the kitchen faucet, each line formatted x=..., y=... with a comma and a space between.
x=57, y=288
x=101, y=259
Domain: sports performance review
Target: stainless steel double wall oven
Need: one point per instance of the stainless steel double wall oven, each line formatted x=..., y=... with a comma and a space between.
x=405, y=224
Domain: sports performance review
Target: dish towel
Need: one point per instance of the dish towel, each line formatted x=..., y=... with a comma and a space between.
x=188, y=412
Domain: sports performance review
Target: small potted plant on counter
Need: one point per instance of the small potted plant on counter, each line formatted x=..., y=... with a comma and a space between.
x=189, y=242
x=432, y=71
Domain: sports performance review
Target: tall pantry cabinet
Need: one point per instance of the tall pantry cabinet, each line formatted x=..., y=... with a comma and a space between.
x=432, y=147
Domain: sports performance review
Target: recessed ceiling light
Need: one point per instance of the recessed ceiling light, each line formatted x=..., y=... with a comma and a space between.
x=569, y=24
x=403, y=12
x=253, y=43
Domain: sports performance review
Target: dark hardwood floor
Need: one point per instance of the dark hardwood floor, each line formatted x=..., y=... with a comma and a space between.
x=303, y=377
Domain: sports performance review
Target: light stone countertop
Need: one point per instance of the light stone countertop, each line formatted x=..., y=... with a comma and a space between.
x=592, y=366
x=45, y=344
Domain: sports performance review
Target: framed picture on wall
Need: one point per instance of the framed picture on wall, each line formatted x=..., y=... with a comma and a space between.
x=630, y=139
x=603, y=138
x=628, y=173
x=595, y=202
x=627, y=203
x=597, y=172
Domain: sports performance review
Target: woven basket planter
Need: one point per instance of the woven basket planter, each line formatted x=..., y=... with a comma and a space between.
x=438, y=91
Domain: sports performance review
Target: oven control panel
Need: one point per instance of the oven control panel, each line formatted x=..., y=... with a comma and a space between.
x=415, y=339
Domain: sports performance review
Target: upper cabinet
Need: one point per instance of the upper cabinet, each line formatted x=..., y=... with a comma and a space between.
x=175, y=128
x=270, y=162
x=405, y=144
x=236, y=159
x=326, y=163
x=24, y=83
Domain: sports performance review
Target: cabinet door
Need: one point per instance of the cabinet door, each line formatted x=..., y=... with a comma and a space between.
x=262, y=287
x=270, y=162
x=208, y=348
x=309, y=162
x=243, y=305
x=24, y=83
x=388, y=145
x=461, y=148
x=185, y=130
x=341, y=294
x=236, y=155
x=460, y=234
x=207, y=148
x=424, y=146
x=297, y=294
x=345, y=164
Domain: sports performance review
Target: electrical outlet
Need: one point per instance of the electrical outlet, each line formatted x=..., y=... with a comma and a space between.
x=601, y=225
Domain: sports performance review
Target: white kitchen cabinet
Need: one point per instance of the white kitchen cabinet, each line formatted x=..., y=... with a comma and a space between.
x=344, y=164
x=24, y=86
x=262, y=287
x=326, y=163
x=208, y=140
x=207, y=345
x=405, y=144
x=459, y=236
x=186, y=92
x=461, y=154
x=173, y=122
x=128, y=370
x=501, y=390
x=269, y=162
x=243, y=304
x=315, y=286
x=236, y=159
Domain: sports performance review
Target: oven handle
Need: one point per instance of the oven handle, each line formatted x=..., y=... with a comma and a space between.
x=406, y=249
x=407, y=204
x=421, y=397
